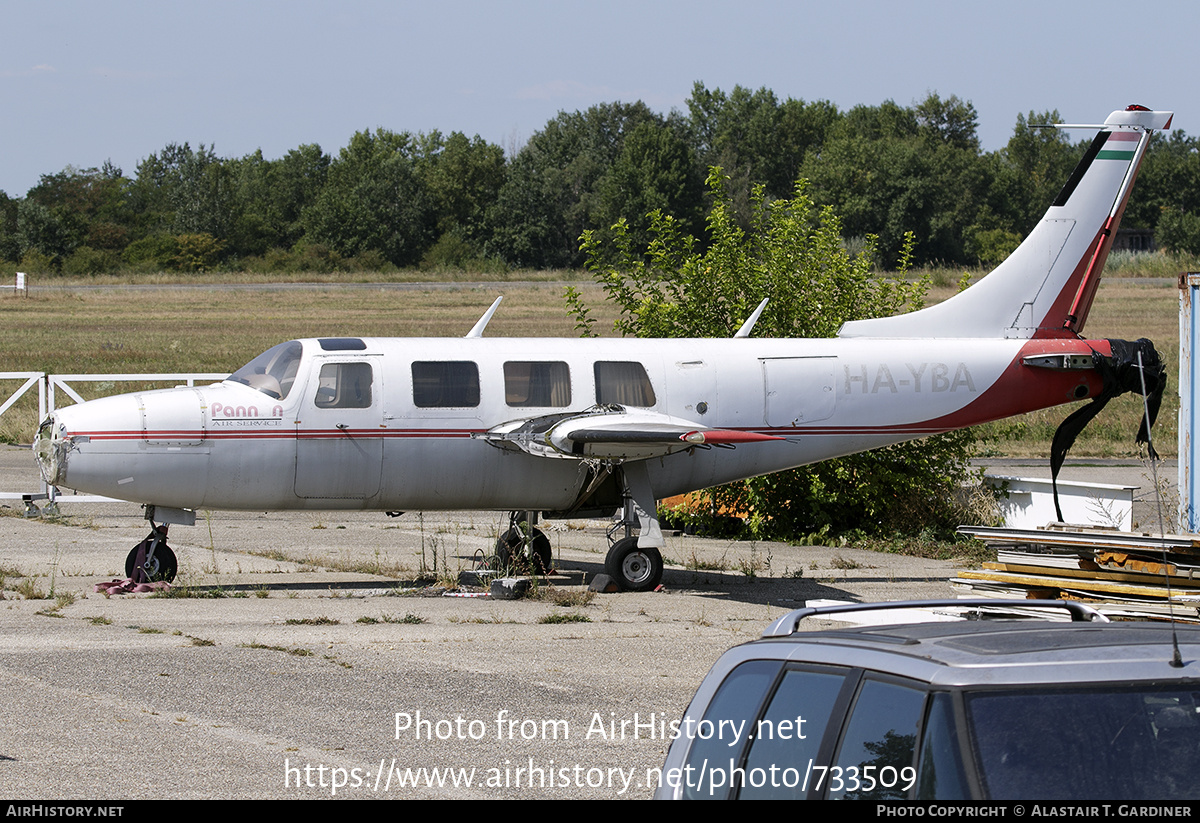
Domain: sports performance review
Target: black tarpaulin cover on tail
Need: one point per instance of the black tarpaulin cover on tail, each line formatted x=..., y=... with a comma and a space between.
x=1120, y=374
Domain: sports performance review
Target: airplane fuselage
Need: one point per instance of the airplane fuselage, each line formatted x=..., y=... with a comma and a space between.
x=413, y=436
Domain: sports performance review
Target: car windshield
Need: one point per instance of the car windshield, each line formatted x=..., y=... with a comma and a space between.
x=273, y=372
x=1086, y=743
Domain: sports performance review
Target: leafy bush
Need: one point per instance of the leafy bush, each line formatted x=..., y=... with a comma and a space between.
x=197, y=252
x=86, y=261
x=453, y=252
x=1179, y=231
x=34, y=262
x=152, y=253
x=793, y=254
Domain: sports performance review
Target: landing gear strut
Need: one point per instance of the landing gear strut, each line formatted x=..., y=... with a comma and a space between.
x=152, y=559
x=524, y=543
x=635, y=563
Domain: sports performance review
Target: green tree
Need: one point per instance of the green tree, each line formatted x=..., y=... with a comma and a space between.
x=84, y=208
x=40, y=230
x=950, y=121
x=887, y=121
x=10, y=246
x=296, y=182
x=552, y=191
x=203, y=197
x=793, y=254
x=754, y=137
x=1179, y=231
x=655, y=171
x=373, y=201
x=1167, y=197
x=183, y=190
x=888, y=186
x=463, y=177
x=270, y=197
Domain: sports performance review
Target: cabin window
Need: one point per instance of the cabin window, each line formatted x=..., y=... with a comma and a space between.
x=623, y=383
x=344, y=386
x=537, y=384
x=445, y=384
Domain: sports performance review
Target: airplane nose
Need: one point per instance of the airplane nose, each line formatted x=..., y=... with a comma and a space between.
x=49, y=446
x=145, y=447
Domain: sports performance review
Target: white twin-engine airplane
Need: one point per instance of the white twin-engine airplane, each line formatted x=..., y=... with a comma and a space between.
x=553, y=427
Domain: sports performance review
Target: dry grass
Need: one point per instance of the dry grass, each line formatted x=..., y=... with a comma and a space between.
x=397, y=276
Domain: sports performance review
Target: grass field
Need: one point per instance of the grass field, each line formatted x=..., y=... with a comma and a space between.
x=195, y=328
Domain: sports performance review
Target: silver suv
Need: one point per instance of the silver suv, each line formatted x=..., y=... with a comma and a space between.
x=982, y=709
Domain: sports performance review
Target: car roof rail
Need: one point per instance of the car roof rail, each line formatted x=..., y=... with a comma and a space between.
x=789, y=623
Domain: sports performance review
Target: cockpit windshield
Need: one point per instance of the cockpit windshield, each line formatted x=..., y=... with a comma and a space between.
x=273, y=372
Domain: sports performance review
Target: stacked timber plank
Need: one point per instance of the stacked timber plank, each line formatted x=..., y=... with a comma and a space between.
x=1124, y=575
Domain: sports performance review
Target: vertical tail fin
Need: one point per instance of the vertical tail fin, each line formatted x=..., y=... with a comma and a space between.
x=1045, y=287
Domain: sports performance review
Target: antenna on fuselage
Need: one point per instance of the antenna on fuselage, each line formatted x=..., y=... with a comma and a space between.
x=748, y=326
x=481, y=324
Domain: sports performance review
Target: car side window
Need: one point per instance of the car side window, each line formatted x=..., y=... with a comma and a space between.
x=721, y=733
x=875, y=758
x=942, y=776
x=445, y=384
x=787, y=739
x=344, y=386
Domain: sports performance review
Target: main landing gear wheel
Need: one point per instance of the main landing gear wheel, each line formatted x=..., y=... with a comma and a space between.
x=635, y=569
x=161, y=566
x=510, y=549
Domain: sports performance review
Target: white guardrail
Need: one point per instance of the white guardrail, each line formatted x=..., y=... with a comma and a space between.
x=48, y=386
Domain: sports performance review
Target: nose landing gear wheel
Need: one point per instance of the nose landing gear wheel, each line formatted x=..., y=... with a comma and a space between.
x=162, y=566
x=635, y=569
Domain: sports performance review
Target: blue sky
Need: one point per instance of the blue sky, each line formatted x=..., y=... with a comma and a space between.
x=84, y=82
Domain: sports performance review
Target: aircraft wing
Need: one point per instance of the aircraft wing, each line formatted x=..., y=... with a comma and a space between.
x=612, y=433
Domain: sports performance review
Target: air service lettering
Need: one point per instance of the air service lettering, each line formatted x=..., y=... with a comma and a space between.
x=223, y=416
x=914, y=377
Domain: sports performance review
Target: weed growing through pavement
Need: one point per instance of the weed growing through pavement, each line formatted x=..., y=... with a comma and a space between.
x=566, y=617
x=297, y=652
x=563, y=597
x=695, y=564
x=754, y=564
x=409, y=618
x=61, y=601
x=28, y=588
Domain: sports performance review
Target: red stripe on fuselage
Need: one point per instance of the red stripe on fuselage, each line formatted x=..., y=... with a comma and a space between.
x=259, y=434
